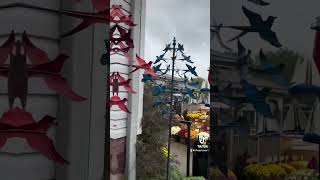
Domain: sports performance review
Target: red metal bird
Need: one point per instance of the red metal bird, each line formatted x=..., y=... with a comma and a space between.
x=116, y=101
x=18, y=123
x=145, y=66
x=122, y=50
x=18, y=71
x=116, y=15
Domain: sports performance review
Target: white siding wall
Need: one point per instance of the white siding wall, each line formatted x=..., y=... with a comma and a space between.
x=118, y=118
x=41, y=101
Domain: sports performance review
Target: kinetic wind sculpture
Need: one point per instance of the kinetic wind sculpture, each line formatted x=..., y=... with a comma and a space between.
x=165, y=93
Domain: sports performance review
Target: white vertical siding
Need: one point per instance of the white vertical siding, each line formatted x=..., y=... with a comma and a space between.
x=119, y=129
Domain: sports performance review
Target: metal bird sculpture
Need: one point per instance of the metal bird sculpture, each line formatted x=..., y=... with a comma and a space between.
x=186, y=58
x=189, y=92
x=145, y=66
x=103, y=16
x=18, y=71
x=190, y=69
x=160, y=58
x=259, y=2
x=258, y=25
x=147, y=78
x=158, y=90
x=117, y=80
x=243, y=60
x=167, y=48
x=180, y=48
x=18, y=123
x=257, y=98
x=276, y=71
x=116, y=101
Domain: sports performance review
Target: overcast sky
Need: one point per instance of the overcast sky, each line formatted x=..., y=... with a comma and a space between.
x=292, y=25
x=188, y=21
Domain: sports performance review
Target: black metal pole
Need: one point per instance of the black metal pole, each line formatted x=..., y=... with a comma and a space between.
x=171, y=105
x=188, y=150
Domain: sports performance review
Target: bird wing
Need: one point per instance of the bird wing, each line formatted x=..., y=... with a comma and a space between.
x=45, y=146
x=271, y=37
x=60, y=85
x=259, y=2
x=254, y=18
x=140, y=60
x=48, y=69
x=6, y=48
x=35, y=54
x=127, y=86
x=241, y=49
x=100, y=5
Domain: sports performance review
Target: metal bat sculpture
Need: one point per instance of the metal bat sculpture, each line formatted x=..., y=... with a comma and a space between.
x=18, y=123
x=18, y=71
x=117, y=80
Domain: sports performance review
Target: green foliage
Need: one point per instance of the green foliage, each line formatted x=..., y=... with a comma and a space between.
x=151, y=163
x=287, y=57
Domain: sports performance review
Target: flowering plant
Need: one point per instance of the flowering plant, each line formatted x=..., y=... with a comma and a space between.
x=182, y=133
x=193, y=135
x=287, y=167
x=175, y=130
x=299, y=164
x=215, y=173
x=304, y=174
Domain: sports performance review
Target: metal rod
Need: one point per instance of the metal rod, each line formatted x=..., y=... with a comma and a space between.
x=63, y=12
x=188, y=150
x=171, y=105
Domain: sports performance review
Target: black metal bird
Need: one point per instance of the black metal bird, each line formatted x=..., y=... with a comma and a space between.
x=186, y=58
x=258, y=25
x=160, y=58
x=180, y=48
x=259, y=2
x=192, y=70
x=244, y=57
x=168, y=48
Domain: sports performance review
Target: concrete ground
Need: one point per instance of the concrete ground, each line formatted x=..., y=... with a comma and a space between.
x=180, y=150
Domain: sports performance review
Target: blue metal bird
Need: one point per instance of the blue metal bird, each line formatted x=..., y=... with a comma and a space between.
x=276, y=71
x=158, y=90
x=258, y=25
x=192, y=70
x=180, y=48
x=157, y=68
x=186, y=58
x=189, y=92
x=194, y=83
x=257, y=98
x=244, y=57
x=147, y=77
x=168, y=48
